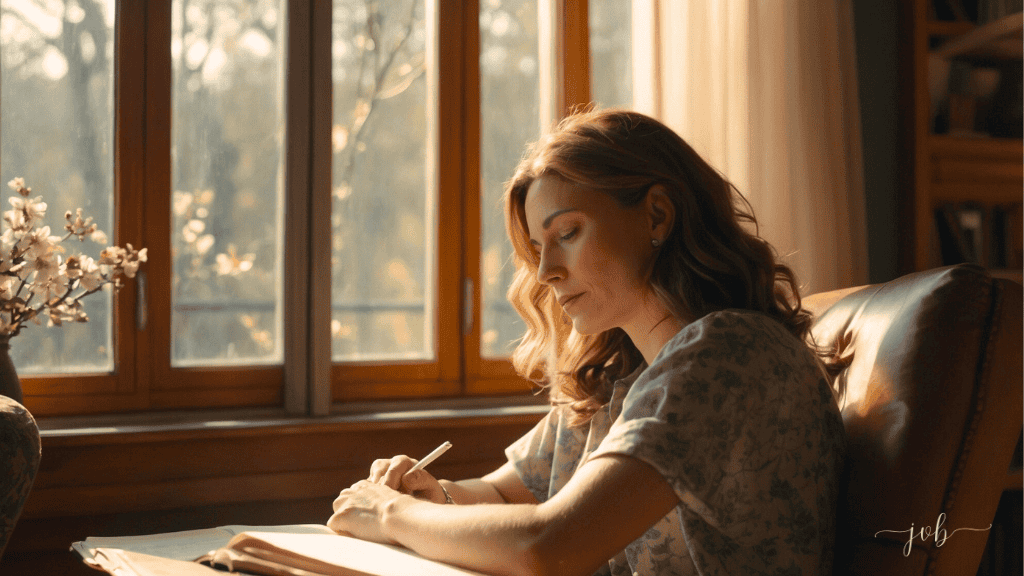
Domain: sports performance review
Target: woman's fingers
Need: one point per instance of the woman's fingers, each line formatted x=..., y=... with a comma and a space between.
x=394, y=473
x=378, y=468
x=421, y=484
x=389, y=471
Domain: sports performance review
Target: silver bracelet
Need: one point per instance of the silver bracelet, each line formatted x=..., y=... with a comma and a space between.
x=447, y=496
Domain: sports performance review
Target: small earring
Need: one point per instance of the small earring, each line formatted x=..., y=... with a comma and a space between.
x=655, y=242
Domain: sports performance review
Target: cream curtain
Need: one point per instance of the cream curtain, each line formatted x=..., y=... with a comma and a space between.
x=766, y=90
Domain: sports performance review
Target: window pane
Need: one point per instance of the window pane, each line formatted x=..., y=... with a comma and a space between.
x=226, y=235
x=611, y=54
x=382, y=246
x=510, y=117
x=57, y=132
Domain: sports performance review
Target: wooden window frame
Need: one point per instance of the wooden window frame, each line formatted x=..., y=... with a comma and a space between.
x=307, y=382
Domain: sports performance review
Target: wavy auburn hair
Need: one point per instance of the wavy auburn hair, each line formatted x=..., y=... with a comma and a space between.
x=707, y=262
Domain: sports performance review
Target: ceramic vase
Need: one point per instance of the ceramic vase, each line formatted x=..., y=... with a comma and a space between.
x=10, y=385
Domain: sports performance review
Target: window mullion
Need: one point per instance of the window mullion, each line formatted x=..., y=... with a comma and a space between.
x=319, y=272
x=131, y=344
x=575, y=54
x=455, y=185
x=153, y=367
x=299, y=242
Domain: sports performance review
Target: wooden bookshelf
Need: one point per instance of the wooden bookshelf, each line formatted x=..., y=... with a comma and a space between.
x=998, y=39
x=986, y=170
x=964, y=168
x=1015, y=275
x=1015, y=480
x=967, y=166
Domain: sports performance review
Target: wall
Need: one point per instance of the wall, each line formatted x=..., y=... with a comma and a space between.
x=876, y=28
x=150, y=480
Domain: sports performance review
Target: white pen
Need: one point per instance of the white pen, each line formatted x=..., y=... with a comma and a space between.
x=431, y=457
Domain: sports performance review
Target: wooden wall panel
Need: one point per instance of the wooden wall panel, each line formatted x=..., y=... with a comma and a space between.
x=152, y=481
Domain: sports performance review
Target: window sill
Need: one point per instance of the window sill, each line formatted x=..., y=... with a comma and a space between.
x=145, y=426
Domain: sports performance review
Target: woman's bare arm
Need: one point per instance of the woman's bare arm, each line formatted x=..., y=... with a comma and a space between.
x=503, y=486
x=608, y=503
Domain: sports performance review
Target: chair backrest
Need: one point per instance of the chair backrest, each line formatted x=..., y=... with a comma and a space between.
x=19, y=462
x=933, y=412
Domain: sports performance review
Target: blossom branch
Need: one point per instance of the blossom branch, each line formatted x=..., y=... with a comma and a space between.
x=33, y=257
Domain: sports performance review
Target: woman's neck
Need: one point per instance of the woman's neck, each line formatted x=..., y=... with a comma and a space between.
x=652, y=328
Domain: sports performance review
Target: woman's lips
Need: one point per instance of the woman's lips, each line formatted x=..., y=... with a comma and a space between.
x=567, y=300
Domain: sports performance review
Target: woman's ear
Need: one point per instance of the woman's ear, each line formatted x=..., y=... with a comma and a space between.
x=661, y=212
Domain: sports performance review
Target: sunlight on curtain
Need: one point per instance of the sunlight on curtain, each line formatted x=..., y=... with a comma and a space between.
x=611, y=54
x=767, y=92
x=57, y=130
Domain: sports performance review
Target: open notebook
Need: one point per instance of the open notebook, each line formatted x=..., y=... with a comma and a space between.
x=292, y=550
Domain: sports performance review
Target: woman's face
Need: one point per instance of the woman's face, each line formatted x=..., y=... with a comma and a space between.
x=592, y=253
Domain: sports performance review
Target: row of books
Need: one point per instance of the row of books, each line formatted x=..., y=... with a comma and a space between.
x=977, y=11
x=988, y=235
x=977, y=98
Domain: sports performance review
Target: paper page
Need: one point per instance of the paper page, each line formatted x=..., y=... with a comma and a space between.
x=287, y=528
x=354, y=554
x=124, y=563
x=187, y=545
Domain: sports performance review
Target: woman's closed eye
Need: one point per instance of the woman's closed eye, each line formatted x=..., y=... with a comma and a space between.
x=569, y=235
x=535, y=246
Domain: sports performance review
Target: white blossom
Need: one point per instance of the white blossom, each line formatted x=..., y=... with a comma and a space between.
x=32, y=210
x=34, y=278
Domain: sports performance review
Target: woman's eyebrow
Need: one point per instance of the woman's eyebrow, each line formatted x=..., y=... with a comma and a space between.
x=553, y=215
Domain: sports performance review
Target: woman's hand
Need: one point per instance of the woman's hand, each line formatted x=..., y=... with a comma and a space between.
x=359, y=510
x=394, y=473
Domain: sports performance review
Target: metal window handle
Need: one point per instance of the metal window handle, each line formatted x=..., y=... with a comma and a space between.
x=141, y=302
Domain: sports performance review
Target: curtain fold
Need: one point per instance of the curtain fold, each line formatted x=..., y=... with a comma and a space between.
x=766, y=90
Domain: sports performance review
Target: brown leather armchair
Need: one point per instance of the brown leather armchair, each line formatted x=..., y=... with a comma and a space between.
x=933, y=412
x=19, y=462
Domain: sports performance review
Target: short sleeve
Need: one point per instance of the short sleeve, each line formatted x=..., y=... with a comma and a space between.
x=736, y=416
x=531, y=456
x=547, y=456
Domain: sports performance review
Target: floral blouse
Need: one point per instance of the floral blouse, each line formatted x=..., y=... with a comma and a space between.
x=737, y=415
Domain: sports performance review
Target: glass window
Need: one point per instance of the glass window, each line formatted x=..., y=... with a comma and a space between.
x=57, y=132
x=382, y=253
x=510, y=118
x=228, y=126
x=611, y=55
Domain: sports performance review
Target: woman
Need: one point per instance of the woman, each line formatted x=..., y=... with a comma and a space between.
x=692, y=430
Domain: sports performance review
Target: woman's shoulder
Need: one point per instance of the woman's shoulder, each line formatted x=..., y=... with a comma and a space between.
x=737, y=354
x=732, y=346
x=732, y=331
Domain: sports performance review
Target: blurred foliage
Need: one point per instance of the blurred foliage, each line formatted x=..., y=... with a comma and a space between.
x=56, y=61
x=510, y=118
x=227, y=136
x=382, y=257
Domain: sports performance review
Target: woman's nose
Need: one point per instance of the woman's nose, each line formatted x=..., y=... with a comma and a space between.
x=549, y=269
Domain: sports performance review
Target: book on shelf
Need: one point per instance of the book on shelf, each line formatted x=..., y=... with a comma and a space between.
x=987, y=235
x=289, y=550
x=974, y=11
x=955, y=242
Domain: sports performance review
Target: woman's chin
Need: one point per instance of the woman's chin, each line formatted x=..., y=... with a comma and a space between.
x=581, y=326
